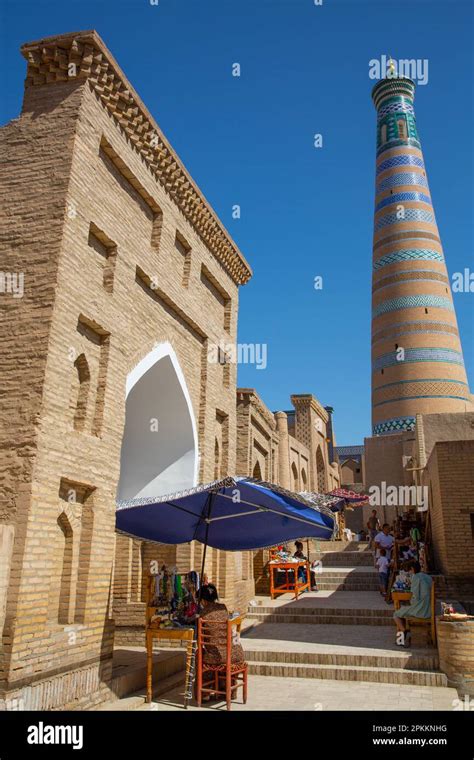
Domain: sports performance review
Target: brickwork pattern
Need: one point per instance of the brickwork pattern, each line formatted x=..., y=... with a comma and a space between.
x=402, y=243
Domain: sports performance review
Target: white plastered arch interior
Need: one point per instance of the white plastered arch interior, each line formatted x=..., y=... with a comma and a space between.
x=160, y=445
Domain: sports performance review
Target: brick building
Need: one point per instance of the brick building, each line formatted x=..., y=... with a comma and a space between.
x=130, y=282
x=129, y=278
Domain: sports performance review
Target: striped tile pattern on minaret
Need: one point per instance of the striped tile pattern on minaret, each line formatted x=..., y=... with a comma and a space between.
x=417, y=362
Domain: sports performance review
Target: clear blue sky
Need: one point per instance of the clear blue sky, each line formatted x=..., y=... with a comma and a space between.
x=249, y=141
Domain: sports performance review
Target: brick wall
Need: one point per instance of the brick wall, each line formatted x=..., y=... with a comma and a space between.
x=450, y=478
x=112, y=267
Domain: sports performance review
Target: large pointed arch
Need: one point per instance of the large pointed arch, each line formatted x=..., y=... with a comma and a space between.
x=160, y=444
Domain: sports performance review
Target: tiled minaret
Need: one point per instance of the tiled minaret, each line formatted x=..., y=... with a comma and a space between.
x=417, y=362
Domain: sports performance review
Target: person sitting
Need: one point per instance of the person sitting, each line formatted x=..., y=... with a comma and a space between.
x=215, y=650
x=420, y=603
x=383, y=564
x=205, y=582
x=298, y=554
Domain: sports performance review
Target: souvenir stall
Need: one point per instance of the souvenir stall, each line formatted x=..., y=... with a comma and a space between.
x=410, y=544
x=171, y=610
x=287, y=573
x=234, y=514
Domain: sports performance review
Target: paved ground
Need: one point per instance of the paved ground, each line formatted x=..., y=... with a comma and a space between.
x=271, y=693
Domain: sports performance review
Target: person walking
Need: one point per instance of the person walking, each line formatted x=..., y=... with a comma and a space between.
x=373, y=526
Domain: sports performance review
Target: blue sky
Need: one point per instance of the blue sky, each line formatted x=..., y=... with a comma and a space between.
x=305, y=212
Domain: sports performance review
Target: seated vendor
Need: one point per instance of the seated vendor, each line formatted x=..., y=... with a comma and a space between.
x=298, y=554
x=420, y=603
x=205, y=582
x=215, y=649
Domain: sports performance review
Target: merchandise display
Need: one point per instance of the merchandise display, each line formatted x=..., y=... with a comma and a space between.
x=173, y=596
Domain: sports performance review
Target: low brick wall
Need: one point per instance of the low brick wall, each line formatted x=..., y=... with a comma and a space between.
x=456, y=654
x=76, y=689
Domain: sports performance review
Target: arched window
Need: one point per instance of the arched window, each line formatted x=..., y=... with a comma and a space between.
x=321, y=475
x=383, y=134
x=64, y=613
x=304, y=479
x=217, y=460
x=402, y=128
x=257, y=471
x=294, y=477
x=84, y=378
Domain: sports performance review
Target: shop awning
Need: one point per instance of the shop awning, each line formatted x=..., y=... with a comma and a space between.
x=351, y=498
x=334, y=503
x=234, y=514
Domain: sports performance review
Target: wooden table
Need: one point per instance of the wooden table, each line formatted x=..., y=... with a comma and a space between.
x=289, y=586
x=400, y=596
x=174, y=634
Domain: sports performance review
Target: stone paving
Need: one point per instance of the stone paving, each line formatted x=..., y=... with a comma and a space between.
x=272, y=693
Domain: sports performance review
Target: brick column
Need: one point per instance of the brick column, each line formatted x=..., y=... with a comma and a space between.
x=283, y=450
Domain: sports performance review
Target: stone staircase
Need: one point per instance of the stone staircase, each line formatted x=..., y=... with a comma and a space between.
x=343, y=632
x=361, y=558
x=347, y=579
x=270, y=651
x=347, y=569
x=308, y=614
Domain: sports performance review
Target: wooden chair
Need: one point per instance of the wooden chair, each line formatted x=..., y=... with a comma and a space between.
x=428, y=623
x=223, y=679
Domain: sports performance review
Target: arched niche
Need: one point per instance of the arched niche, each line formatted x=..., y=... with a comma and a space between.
x=159, y=445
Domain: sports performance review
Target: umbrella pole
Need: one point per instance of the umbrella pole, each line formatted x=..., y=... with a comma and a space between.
x=192, y=668
x=209, y=506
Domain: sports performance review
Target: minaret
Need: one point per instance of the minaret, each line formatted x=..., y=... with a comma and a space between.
x=417, y=362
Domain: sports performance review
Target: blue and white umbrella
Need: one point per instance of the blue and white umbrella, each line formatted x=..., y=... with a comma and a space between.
x=234, y=514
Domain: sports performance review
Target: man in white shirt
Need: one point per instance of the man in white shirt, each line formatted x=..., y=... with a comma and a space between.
x=384, y=540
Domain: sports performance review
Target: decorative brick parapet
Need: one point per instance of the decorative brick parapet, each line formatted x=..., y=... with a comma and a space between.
x=84, y=56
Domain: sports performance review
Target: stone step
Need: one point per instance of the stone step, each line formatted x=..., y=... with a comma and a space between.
x=346, y=559
x=339, y=546
x=349, y=673
x=403, y=660
x=315, y=607
x=347, y=585
x=324, y=616
x=361, y=574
